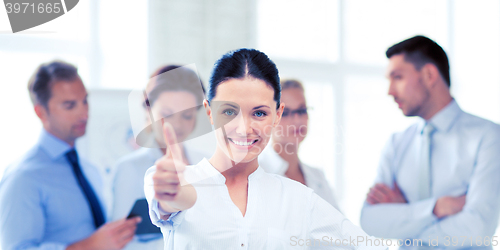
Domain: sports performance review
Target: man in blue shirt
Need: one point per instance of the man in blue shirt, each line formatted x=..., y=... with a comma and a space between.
x=51, y=199
x=437, y=182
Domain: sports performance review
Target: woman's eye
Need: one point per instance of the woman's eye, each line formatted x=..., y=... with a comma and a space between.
x=260, y=114
x=229, y=112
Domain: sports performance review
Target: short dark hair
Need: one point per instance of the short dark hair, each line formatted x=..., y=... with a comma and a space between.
x=180, y=79
x=45, y=76
x=420, y=50
x=243, y=63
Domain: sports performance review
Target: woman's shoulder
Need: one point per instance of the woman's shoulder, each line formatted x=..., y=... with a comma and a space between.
x=202, y=173
x=285, y=184
x=276, y=191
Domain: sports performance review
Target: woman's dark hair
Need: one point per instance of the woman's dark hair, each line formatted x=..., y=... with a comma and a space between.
x=178, y=78
x=242, y=63
x=420, y=50
x=45, y=76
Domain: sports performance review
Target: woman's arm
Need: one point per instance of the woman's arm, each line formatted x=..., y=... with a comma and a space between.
x=171, y=190
x=185, y=199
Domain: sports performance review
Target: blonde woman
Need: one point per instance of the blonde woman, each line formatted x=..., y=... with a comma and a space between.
x=281, y=155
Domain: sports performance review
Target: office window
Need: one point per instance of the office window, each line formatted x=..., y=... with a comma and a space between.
x=371, y=116
x=476, y=58
x=299, y=29
x=372, y=26
x=318, y=148
x=123, y=36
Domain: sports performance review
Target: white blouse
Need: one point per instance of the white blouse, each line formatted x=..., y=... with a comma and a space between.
x=281, y=214
x=315, y=178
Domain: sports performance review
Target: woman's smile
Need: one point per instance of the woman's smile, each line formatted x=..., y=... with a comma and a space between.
x=243, y=143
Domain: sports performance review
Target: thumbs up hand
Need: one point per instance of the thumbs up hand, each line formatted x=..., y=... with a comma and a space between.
x=171, y=190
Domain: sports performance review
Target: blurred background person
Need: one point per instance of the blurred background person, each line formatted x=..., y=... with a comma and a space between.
x=281, y=156
x=175, y=94
x=51, y=199
x=438, y=178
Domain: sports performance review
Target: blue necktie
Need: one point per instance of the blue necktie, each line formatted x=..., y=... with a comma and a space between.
x=86, y=188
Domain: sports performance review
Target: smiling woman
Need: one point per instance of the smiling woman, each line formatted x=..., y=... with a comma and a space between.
x=245, y=123
x=228, y=201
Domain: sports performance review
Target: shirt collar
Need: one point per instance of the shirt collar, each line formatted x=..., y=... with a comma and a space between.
x=445, y=118
x=210, y=171
x=205, y=171
x=256, y=174
x=54, y=146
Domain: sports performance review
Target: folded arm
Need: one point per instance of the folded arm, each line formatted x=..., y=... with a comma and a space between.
x=479, y=217
x=386, y=212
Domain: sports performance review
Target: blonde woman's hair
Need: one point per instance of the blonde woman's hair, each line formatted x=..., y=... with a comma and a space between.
x=291, y=83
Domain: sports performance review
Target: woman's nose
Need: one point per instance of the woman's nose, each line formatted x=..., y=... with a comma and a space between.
x=243, y=128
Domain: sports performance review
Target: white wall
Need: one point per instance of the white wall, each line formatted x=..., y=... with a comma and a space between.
x=198, y=31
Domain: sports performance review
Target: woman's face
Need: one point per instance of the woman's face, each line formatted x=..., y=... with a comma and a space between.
x=293, y=125
x=244, y=114
x=176, y=108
